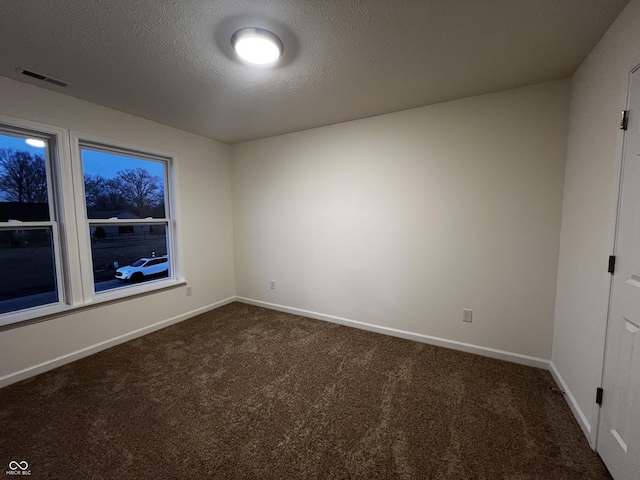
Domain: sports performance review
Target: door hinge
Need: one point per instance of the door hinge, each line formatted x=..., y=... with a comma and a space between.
x=599, y=393
x=612, y=264
x=624, y=121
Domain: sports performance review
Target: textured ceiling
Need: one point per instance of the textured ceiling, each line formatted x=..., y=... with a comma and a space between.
x=171, y=61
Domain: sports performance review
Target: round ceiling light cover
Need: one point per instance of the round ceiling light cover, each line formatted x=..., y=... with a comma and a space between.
x=257, y=46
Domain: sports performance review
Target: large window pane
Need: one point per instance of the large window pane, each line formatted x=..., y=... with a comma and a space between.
x=23, y=179
x=122, y=186
x=28, y=269
x=125, y=254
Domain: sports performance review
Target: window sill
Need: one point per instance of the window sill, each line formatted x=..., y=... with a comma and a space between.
x=47, y=312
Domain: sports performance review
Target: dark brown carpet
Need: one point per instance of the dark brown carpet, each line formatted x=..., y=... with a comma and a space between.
x=243, y=392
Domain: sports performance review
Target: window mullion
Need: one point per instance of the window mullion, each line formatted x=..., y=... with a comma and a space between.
x=67, y=186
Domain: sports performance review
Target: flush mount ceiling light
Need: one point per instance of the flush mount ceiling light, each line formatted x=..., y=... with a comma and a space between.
x=34, y=142
x=257, y=46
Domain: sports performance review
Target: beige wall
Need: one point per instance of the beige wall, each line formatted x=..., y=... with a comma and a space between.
x=589, y=210
x=403, y=220
x=205, y=223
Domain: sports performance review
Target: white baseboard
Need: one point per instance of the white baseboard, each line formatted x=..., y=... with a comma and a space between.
x=573, y=405
x=418, y=337
x=85, y=352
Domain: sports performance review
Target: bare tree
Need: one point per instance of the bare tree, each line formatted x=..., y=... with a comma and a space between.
x=141, y=189
x=23, y=177
x=94, y=190
x=103, y=193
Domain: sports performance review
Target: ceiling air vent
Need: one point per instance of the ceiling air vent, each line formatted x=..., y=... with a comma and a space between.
x=39, y=76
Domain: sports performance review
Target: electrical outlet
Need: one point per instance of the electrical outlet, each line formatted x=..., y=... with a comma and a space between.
x=189, y=291
x=272, y=284
x=467, y=315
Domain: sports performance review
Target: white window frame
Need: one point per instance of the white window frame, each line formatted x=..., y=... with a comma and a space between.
x=70, y=226
x=80, y=139
x=61, y=221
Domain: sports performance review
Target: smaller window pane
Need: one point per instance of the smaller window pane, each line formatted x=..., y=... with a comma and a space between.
x=121, y=186
x=125, y=255
x=28, y=269
x=23, y=179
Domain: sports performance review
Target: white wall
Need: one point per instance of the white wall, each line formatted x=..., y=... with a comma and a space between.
x=589, y=210
x=404, y=219
x=205, y=222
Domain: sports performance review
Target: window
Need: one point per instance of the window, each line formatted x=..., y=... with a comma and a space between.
x=125, y=203
x=81, y=221
x=28, y=226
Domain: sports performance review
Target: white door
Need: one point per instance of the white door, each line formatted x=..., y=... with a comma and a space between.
x=619, y=428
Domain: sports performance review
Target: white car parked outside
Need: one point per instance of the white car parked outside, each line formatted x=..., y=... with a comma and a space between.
x=144, y=268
